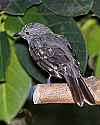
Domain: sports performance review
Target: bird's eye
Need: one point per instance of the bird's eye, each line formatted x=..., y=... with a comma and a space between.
x=27, y=33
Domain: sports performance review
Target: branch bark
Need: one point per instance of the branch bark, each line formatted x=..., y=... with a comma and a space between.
x=60, y=93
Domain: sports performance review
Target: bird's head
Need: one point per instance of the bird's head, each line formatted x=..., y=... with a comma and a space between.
x=32, y=29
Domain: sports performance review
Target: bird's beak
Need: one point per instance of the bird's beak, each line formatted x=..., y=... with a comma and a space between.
x=17, y=34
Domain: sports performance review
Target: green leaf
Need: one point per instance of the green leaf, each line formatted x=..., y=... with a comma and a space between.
x=91, y=30
x=14, y=24
x=97, y=73
x=96, y=8
x=27, y=62
x=69, y=7
x=14, y=93
x=17, y=7
x=4, y=55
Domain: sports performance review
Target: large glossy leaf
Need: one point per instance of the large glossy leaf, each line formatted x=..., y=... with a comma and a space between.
x=91, y=30
x=60, y=25
x=17, y=7
x=98, y=66
x=4, y=55
x=96, y=7
x=28, y=64
x=14, y=24
x=69, y=7
x=14, y=93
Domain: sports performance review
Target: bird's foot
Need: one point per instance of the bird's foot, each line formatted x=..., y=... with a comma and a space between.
x=49, y=81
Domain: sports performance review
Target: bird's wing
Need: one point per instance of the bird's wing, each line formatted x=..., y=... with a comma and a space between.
x=66, y=67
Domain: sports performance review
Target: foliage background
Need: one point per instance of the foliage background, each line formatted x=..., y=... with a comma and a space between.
x=78, y=21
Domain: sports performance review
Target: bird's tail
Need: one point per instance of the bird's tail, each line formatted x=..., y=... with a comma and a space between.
x=79, y=89
x=88, y=97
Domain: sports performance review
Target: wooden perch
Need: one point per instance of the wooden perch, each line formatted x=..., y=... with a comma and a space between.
x=60, y=93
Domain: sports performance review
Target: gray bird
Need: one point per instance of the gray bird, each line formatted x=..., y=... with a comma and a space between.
x=53, y=53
